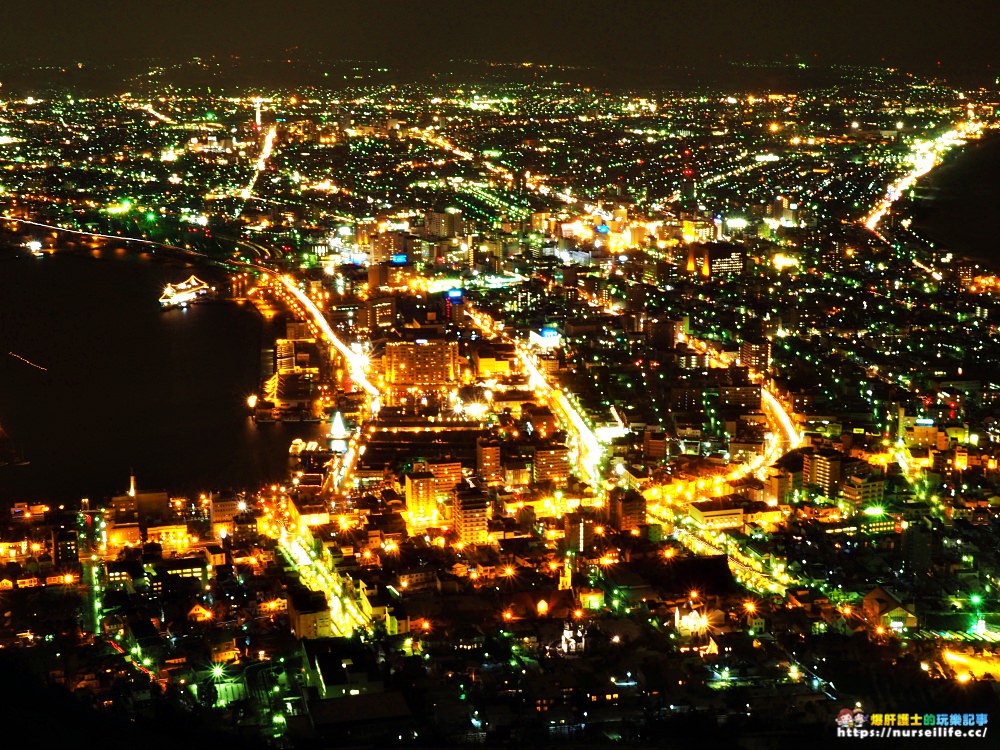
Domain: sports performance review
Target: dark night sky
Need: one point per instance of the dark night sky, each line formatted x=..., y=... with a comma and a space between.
x=913, y=34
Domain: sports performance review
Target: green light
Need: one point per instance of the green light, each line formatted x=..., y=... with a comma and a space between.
x=217, y=671
x=874, y=511
x=976, y=599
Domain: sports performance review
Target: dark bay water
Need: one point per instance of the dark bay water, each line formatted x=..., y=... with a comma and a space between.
x=959, y=203
x=127, y=386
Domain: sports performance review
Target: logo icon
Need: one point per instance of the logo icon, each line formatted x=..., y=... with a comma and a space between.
x=851, y=718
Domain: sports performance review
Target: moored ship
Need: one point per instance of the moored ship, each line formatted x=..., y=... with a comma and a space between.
x=184, y=293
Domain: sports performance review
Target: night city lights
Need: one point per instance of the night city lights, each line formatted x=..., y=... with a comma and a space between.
x=555, y=377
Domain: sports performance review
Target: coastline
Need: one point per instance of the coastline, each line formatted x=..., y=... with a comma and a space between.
x=190, y=435
x=952, y=206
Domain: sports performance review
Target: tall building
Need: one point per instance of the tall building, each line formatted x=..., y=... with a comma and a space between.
x=446, y=476
x=755, y=354
x=387, y=246
x=66, y=546
x=917, y=546
x=862, y=492
x=627, y=510
x=654, y=444
x=222, y=510
x=488, y=466
x=689, y=182
x=472, y=515
x=443, y=224
x=421, y=362
x=421, y=499
x=579, y=531
x=822, y=468
x=381, y=313
x=551, y=464
x=716, y=259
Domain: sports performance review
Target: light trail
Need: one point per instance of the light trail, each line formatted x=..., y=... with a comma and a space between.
x=158, y=115
x=82, y=233
x=533, y=182
x=345, y=616
x=259, y=167
x=356, y=362
x=591, y=451
x=784, y=420
x=28, y=362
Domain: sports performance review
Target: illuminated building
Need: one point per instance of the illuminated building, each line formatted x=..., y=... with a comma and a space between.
x=302, y=513
x=516, y=472
x=627, y=511
x=716, y=514
x=551, y=463
x=446, y=476
x=121, y=535
x=755, y=354
x=863, y=491
x=885, y=608
x=494, y=359
x=222, y=510
x=785, y=211
x=381, y=313
x=822, y=468
x=488, y=465
x=195, y=567
x=66, y=546
x=579, y=532
x=309, y=614
x=170, y=537
x=542, y=223
x=421, y=362
x=471, y=515
x=387, y=246
x=443, y=224
x=654, y=444
x=714, y=260
x=421, y=498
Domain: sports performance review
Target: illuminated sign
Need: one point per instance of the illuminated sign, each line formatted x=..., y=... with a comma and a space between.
x=399, y=259
x=547, y=338
x=925, y=422
x=455, y=293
